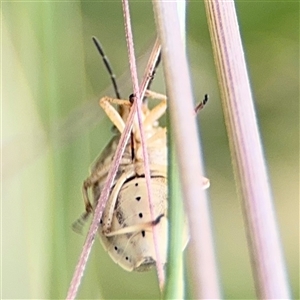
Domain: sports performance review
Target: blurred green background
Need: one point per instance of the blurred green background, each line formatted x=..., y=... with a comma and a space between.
x=52, y=129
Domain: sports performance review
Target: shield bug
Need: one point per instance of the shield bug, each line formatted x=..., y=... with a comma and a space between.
x=126, y=226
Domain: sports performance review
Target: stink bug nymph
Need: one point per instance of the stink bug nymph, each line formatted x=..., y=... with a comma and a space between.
x=126, y=226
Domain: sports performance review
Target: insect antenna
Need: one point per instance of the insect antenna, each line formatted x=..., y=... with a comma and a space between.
x=154, y=70
x=108, y=66
x=114, y=82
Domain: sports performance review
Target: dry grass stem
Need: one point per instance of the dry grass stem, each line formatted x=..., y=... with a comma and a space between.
x=247, y=153
x=136, y=91
x=202, y=260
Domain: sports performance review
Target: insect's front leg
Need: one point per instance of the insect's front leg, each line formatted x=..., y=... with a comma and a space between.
x=157, y=111
x=112, y=113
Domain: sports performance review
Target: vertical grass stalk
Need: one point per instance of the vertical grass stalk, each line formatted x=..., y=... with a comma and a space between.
x=247, y=153
x=201, y=251
x=176, y=238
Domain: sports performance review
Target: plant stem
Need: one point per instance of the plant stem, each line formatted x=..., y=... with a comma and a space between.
x=247, y=154
x=136, y=91
x=202, y=261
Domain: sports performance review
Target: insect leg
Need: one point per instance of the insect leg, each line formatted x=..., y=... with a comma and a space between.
x=201, y=105
x=111, y=203
x=205, y=183
x=90, y=181
x=135, y=228
x=157, y=111
x=112, y=113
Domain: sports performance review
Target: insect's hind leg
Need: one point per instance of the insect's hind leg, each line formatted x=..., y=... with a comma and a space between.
x=136, y=228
